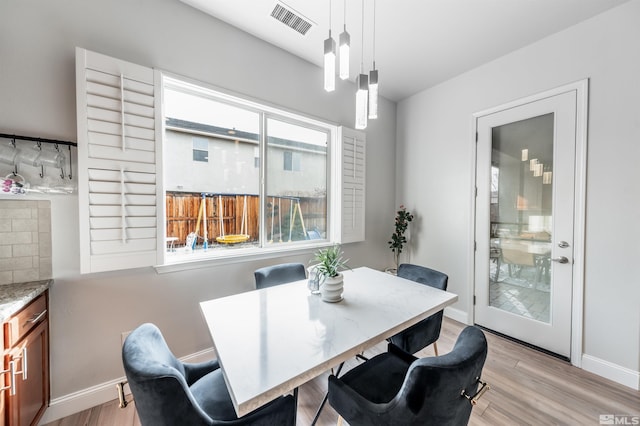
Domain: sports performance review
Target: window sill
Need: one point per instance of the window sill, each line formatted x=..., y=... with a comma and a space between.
x=177, y=261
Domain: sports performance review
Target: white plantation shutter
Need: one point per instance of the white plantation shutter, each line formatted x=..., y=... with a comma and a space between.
x=353, y=184
x=117, y=103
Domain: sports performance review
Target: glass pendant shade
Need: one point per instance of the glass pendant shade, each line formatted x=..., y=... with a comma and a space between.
x=362, y=83
x=343, y=49
x=373, y=94
x=533, y=164
x=329, y=64
x=537, y=172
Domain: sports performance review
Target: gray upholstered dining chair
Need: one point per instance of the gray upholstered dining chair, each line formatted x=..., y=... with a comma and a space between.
x=168, y=392
x=396, y=388
x=427, y=331
x=279, y=274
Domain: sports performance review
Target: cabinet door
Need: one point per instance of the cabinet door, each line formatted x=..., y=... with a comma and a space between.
x=31, y=396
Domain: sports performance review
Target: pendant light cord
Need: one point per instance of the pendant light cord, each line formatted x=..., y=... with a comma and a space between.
x=344, y=21
x=373, y=54
x=362, y=51
x=329, y=18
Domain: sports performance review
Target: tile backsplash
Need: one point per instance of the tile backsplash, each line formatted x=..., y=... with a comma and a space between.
x=25, y=241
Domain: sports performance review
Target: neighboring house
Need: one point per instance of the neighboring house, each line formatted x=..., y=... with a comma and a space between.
x=205, y=158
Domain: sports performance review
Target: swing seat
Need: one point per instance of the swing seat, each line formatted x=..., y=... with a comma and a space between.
x=232, y=239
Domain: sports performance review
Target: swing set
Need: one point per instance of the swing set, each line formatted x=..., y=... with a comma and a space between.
x=295, y=211
x=233, y=238
x=193, y=237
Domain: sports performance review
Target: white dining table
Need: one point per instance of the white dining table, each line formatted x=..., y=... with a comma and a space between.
x=270, y=341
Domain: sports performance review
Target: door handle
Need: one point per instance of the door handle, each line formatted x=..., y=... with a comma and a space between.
x=561, y=259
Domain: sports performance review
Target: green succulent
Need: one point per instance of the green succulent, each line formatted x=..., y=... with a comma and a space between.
x=330, y=261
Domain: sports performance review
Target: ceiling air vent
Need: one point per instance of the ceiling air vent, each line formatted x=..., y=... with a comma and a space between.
x=291, y=19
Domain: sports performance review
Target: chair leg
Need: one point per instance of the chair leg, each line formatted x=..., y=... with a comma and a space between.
x=324, y=401
x=295, y=399
x=121, y=396
x=435, y=347
x=326, y=396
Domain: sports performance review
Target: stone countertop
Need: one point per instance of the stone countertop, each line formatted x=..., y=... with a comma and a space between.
x=14, y=297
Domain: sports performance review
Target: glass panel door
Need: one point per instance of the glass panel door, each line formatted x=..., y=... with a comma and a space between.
x=525, y=220
x=520, y=214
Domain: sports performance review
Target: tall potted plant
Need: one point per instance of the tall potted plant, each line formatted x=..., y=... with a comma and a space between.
x=398, y=240
x=330, y=262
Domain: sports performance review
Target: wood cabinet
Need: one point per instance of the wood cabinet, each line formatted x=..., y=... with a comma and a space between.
x=25, y=393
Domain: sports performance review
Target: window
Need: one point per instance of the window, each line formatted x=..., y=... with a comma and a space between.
x=200, y=149
x=222, y=206
x=208, y=167
x=291, y=161
x=495, y=179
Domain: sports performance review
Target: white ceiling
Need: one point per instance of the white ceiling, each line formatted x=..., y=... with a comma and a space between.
x=418, y=43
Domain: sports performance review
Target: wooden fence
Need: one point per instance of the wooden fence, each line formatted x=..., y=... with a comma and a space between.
x=184, y=216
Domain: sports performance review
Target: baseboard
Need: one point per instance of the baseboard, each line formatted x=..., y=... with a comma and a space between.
x=99, y=394
x=457, y=315
x=608, y=370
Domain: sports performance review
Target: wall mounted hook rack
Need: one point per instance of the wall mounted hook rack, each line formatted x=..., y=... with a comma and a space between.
x=39, y=142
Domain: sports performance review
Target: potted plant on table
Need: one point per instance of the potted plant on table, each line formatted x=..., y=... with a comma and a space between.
x=398, y=240
x=330, y=261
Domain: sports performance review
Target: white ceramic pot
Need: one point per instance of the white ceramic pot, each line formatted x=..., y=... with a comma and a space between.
x=331, y=289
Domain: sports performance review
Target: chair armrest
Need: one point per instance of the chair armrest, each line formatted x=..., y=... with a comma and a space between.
x=194, y=371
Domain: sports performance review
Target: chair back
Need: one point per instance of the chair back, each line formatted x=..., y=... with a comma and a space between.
x=279, y=274
x=157, y=381
x=423, y=275
x=432, y=392
x=427, y=331
x=516, y=253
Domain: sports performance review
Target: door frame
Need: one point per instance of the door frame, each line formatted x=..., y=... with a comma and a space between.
x=581, y=87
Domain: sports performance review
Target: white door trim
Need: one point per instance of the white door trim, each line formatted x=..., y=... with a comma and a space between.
x=581, y=88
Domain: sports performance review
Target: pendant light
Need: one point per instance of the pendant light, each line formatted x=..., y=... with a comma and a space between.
x=329, y=59
x=362, y=87
x=343, y=48
x=373, y=75
x=537, y=172
x=362, y=84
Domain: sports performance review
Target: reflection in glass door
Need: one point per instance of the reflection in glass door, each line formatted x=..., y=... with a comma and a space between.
x=520, y=217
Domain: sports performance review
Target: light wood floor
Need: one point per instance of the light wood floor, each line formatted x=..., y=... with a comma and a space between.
x=527, y=388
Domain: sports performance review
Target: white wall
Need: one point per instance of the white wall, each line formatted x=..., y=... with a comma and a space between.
x=229, y=169
x=37, y=98
x=435, y=169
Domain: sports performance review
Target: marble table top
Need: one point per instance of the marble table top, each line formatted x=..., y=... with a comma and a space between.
x=14, y=297
x=272, y=340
